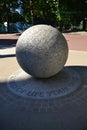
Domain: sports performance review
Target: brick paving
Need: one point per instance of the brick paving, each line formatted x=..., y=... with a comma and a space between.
x=77, y=41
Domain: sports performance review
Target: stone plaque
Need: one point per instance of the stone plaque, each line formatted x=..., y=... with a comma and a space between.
x=65, y=82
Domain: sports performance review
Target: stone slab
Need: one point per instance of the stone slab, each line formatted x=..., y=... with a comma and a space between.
x=68, y=112
x=64, y=113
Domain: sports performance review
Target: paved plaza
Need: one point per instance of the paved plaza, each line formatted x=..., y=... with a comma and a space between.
x=18, y=113
x=77, y=43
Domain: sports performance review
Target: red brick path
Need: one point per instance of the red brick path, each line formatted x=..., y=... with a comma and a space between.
x=75, y=41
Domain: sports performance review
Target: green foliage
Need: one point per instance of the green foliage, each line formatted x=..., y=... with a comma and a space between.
x=72, y=11
x=56, y=11
x=5, y=6
x=38, y=9
x=8, y=13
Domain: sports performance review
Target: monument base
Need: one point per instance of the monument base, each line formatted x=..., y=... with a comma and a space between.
x=58, y=111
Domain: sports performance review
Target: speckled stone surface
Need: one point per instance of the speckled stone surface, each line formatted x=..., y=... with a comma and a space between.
x=42, y=51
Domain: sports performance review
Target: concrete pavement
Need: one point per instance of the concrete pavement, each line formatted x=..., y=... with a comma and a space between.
x=65, y=113
x=8, y=62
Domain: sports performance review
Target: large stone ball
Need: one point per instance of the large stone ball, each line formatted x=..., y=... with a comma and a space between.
x=42, y=51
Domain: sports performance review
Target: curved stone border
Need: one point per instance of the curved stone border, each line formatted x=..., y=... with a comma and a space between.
x=65, y=82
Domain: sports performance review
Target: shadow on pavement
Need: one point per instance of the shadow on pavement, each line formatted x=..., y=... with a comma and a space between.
x=7, y=55
x=64, y=113
x=7, y=42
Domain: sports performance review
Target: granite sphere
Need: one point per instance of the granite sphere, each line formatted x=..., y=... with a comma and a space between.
x=41, y=51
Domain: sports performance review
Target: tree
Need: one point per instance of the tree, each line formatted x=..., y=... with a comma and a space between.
x=37, y=10
x=72, y=11
x=7, y=7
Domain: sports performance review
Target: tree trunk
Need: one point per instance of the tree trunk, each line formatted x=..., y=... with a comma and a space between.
x=8, y=26
x=8, y=20
x=32, y=12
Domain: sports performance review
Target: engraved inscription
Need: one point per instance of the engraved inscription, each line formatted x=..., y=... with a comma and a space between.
x=63, y=84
